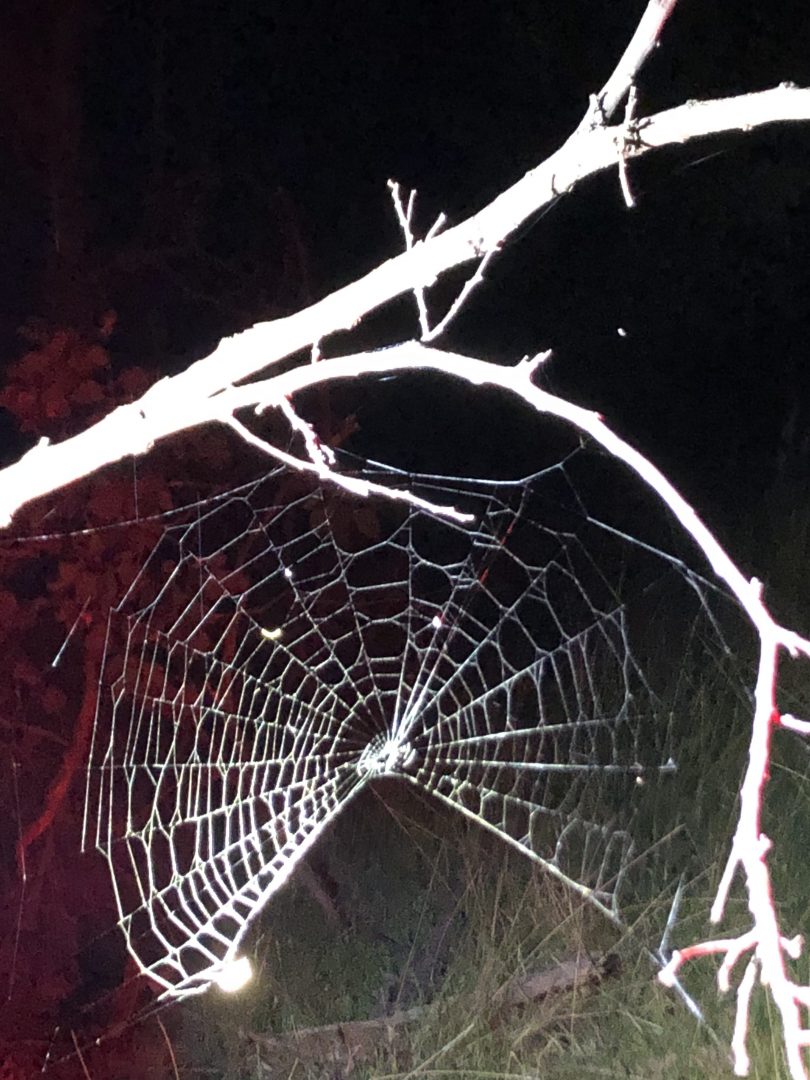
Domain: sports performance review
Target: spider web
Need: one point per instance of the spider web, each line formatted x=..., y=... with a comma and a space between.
x=285, y=645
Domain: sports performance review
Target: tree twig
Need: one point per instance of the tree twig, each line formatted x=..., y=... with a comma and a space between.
x=647, y=37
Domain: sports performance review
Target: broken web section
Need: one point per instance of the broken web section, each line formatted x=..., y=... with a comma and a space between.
x=286, y=644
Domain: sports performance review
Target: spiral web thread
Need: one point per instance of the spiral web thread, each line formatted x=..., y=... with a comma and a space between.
x=285, y=645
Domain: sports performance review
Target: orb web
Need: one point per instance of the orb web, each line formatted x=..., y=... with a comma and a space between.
x=284, y=645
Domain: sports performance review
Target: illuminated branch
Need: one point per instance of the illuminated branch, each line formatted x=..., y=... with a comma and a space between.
x=764, y=942
x=133, y=429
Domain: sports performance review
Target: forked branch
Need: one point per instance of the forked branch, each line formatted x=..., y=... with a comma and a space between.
x=764, y=943
x=195, y=396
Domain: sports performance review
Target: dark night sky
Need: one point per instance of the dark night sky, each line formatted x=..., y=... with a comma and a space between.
x=226, y=162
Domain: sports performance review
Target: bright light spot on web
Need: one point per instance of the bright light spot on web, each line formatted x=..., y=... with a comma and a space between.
x=235, y=975
x=437, y=622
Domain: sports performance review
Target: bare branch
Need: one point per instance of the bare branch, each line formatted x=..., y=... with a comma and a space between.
x=644, y=40
x=127, y=431
x=739, y=1040
x=352, y=484
x=630, y=137
x=194, y=393
x=158, y=411
x=794, y=724
x=317, y=451
x=750, y=847
x=470, y=285
x=405, y=219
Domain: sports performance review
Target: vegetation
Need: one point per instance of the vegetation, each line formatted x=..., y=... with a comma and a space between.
x=431, y=911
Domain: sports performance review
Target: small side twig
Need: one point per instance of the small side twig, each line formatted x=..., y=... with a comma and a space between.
x=405, y=219
x=353, y=484
x=630, y=141
x=404, y=214
x=739, y=1048
x=318, y=451
x=469, y=285
x=792, y=723
x=645, y=39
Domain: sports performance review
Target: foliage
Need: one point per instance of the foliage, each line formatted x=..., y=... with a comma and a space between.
x=56, y=587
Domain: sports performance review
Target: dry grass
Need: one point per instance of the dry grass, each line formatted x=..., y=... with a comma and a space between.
x=432, y=912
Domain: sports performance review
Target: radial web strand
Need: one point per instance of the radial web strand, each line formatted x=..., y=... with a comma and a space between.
x=285, y=645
